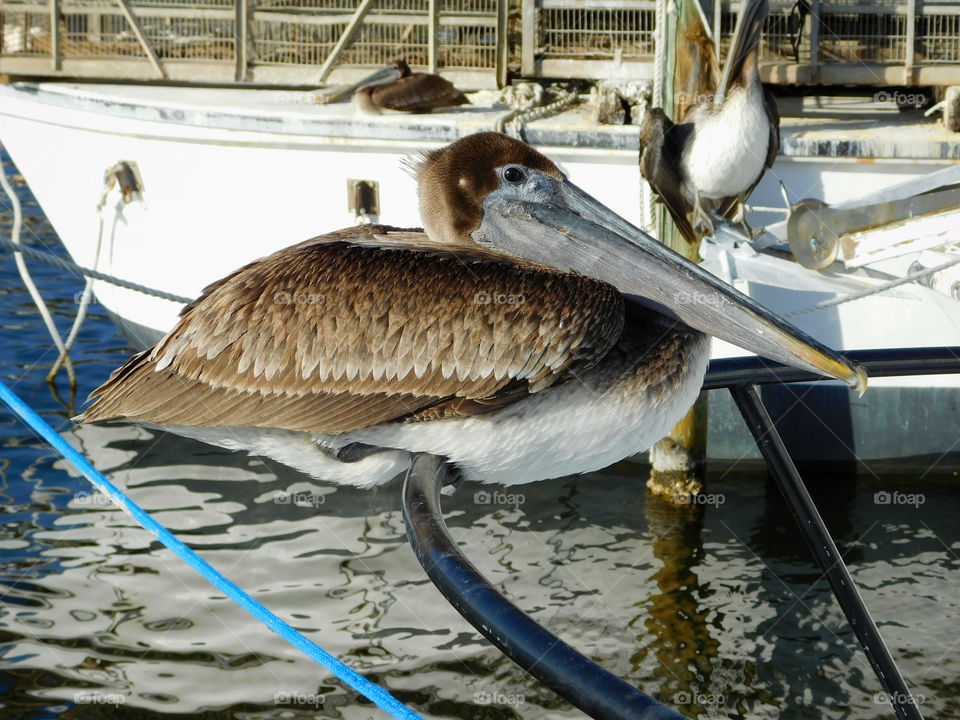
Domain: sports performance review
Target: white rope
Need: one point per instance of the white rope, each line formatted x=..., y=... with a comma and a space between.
x=28, y=279
x=513, y=121
x=909, y=278
x=87, y=295
x=659, y=55
x=935, y=108
x=538, y=113
x=519, y=105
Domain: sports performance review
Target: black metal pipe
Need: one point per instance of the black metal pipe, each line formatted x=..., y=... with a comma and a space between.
x=579, y=680
x=574, y=677
x=892, y=362
x=824, y=549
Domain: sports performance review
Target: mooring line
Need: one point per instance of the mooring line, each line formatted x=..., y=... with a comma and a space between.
x=376, y=694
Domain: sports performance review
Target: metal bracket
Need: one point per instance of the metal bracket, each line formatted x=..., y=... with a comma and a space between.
x=126, y=175
x=814, y=229
x=363, y=200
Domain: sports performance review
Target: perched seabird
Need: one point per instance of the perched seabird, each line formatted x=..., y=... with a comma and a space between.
x=397, y=88
x=717, y=155
x=527, y=332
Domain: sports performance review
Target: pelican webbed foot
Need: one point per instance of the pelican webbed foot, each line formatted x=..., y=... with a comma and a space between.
x=351, y=452
x=703, y=222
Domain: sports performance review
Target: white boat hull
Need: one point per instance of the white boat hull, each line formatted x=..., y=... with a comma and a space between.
x=233, y=175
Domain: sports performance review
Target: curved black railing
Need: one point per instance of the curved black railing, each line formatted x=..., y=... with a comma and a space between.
x=581, y=681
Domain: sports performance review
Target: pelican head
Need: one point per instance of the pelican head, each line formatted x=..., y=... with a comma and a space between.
x=492, y=191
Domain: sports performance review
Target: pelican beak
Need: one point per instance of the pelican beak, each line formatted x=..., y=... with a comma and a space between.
x=559, y=225
x=383, y=76
x=746, y=37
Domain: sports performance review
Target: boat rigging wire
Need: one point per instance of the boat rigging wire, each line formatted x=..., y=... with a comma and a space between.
x=72, y=267
x=376, y=694
x=908, y=278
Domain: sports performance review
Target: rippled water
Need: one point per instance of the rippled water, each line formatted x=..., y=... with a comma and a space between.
x=716, y=609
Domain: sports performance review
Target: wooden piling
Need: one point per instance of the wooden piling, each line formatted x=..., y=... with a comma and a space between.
x=691, y=71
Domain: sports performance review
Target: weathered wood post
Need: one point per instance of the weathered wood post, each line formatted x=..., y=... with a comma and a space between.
x=690, y=71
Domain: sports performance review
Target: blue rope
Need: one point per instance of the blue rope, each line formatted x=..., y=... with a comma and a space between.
x=372, y=691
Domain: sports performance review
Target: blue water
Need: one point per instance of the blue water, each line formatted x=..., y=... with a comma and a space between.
x=716, y=609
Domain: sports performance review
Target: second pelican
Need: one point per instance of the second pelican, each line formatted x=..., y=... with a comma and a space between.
x=717, y=155
x=398, y=89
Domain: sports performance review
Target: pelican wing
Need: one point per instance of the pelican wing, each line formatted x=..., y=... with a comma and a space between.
x=773, y=116
x=418, y=93
x=346, y=331
x=662, y=141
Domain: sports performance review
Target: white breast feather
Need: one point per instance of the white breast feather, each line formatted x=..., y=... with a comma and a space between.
x=729, y=149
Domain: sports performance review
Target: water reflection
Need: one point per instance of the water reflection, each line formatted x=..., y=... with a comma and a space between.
x=716, y=609
x=682, y=641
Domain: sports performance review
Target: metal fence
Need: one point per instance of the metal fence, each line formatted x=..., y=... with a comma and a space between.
x=292, y=42
x=301, y=42
x=837, y=42
x=602, y=39
x=882, y=42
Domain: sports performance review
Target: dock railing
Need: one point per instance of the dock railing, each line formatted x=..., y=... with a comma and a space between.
x=278, y=42
x=471, y=42
x=875, y=43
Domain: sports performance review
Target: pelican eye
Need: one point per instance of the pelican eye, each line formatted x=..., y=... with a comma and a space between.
x=514, y=175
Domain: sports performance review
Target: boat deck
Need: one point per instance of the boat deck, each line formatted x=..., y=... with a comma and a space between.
x=811, y=127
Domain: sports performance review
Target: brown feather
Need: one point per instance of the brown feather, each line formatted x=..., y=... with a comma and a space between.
x=338, y=333
x=418, y=92
x=662, y=143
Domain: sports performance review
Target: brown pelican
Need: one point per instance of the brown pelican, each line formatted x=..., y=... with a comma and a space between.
x=716, y=156
x=527, y=332
x=397, y=88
